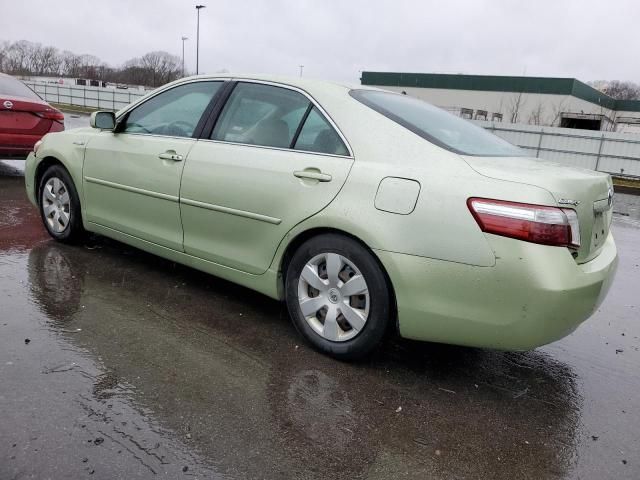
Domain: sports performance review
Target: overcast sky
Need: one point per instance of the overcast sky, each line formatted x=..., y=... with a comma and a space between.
x=335, y=39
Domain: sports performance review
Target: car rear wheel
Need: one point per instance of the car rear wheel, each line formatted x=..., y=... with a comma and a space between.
x=337, y=296
x=60, y=205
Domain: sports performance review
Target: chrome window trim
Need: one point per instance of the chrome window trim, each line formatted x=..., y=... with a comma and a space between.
x=309, y=97
x=223, y=142
x=281, y=149
x=159, y=90
x=142, y=134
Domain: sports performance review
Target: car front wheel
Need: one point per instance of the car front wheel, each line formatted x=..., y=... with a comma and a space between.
x=337, y=296
x=60, y=205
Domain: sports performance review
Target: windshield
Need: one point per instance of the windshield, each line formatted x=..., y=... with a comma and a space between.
x=12, y=87
x=435, y=125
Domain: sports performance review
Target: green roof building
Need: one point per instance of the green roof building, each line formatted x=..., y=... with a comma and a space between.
x=559, y=102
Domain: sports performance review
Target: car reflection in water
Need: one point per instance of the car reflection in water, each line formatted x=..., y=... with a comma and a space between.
x=201, y=355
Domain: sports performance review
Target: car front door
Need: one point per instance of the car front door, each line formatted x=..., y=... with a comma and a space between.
x=132, y=175
x=272, y=160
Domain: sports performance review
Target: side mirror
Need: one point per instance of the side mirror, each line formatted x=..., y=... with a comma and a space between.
x=103, y=120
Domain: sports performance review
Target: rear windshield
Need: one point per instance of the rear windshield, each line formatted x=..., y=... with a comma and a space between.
x=11, y=87
x=435, y=125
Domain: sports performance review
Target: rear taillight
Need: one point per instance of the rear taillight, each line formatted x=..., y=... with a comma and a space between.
x=52, y=114
x=532, y=223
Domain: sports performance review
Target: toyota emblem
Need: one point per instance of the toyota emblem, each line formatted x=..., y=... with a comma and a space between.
x=610, y=197
x=8, y=104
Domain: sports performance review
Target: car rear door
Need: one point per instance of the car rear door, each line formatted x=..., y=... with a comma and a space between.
x=132, y=175
x=273, y=159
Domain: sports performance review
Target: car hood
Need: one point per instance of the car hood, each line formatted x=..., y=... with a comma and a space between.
x=586, y=191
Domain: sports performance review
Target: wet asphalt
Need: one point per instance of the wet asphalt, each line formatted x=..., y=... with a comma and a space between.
x=115, y=364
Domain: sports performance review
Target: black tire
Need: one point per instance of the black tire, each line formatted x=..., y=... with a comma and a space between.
x=380, y=304
x=73, y=232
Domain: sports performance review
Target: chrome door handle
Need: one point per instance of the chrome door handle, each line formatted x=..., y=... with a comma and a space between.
x=310, y=174
x=170, y=156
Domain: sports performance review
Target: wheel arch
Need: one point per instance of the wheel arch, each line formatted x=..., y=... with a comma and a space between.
x=312, y=232
x=73, y=165
x=41, y=168
x=73, y=231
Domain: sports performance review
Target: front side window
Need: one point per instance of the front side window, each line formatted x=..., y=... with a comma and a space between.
x=258, y=114
x=174, y=113
x=317, y=135
x=435, y=125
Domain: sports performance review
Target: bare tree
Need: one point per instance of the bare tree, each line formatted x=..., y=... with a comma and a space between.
x=70, y=64
x=18, y=57
x=89, y=66
x=556, y=112
x=501, y=105
x=620, y=90
x=162, y=67
x=536, y=117
x=516, y=103
x=4, y=48
x=614, y=122
x=45, y=60
x=28, y=58
x=32, y=53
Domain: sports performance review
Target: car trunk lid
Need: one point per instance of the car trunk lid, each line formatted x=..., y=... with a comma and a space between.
x=25, y=116
x=588, y=192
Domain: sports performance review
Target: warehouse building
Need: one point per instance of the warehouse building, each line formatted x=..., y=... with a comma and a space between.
x=559, y=102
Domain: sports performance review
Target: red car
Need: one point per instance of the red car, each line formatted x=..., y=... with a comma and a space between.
x=24, y=118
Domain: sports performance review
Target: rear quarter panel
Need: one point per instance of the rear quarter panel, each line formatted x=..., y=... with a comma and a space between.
x=440, y=226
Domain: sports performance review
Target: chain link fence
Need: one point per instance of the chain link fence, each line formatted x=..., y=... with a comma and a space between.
x=85, y=96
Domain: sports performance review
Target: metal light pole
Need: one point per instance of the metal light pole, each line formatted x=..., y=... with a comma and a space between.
x=198, y=7
x=301, y=67
x=183, y=39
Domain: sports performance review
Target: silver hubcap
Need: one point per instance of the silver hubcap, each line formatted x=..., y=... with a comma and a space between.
x=333, y=297
x=56, y=204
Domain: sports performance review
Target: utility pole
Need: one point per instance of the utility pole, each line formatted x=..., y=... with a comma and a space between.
x=198, y=7
x=301, y=67
x=183, y=39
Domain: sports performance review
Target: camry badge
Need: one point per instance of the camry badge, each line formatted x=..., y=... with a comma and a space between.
x=8, y=104
x=566, y=201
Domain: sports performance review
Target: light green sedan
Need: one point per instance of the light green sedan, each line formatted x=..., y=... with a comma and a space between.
x=365, y=210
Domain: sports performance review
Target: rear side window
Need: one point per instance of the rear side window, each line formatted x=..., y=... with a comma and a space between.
x=175, y=112
x=258, y=114
x=317, y=135
x=435, y=125
x=12, y=87
x=271, y=116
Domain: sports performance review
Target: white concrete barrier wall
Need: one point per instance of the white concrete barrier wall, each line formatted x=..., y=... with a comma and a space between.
x=611, y=152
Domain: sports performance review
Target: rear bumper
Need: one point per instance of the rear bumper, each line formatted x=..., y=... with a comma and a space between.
x=533, y=295
x=20, y=145
x=14, y=144
x=12, y=151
